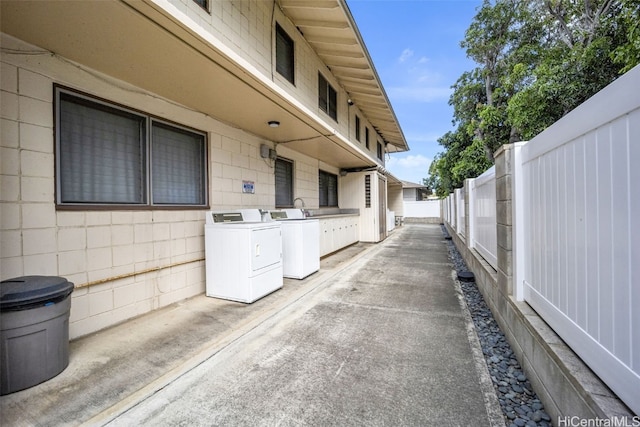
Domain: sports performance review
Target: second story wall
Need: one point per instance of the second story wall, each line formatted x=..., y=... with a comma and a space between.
x=248, y=28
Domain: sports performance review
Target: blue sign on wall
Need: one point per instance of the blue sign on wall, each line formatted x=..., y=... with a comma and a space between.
x=248, y=187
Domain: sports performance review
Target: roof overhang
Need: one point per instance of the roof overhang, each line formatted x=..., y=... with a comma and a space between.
x=331, y=31
x=146, y=44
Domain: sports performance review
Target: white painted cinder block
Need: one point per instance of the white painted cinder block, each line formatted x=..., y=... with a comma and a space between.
x=11, y=267
x=123, y=256
x=98, y=259
x=41, y=264
x=79, y=305
x=37, y=189
x=36, y=111
x=100, y=302
x=9, y=164
x=35, y=163
x=72, y=262
x=10, y=243
x=70, y=219
x=8, y=77
x=9, y=133
x=36, y=138
x=98, y=237
x=98, y=218
x=35, y=85
x=38, y=215
x=39, y=241
x=143, y=233
x=9, y=108
x=122, y=235
x=122, y=217
x=72, y=239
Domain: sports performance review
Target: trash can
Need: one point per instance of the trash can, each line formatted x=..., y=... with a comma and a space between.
x=34, y=330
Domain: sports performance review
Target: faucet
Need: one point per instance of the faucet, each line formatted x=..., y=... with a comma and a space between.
x=298, y=198
x=264, y=215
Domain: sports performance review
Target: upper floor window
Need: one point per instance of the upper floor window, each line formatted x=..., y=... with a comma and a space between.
x=284, y=183
x=357, y=128
x=202, y=3
x=285, y=64
x=327, y=97
x=380, y=151
x=328, y=189
x=366, y=137
x=110, y=155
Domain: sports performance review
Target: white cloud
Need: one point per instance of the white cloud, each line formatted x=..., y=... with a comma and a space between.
x=424, y=137
x=418, y=94
x=409, y=167
x=406, y=54
x=423, y=60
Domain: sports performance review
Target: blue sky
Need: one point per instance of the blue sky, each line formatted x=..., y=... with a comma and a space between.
x=415, y=48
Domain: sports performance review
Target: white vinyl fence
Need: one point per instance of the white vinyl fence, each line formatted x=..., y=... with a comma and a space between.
x=581, y=235
x=576, y=230
x=482, y=216
x=422, y=209
x=460, y=211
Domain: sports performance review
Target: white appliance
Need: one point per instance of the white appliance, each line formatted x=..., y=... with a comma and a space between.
x=243, y=256
x=300, y=243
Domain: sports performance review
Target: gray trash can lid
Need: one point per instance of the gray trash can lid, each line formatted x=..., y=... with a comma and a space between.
x=25, y=292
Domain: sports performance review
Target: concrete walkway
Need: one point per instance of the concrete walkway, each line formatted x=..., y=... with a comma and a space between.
x=378, y=337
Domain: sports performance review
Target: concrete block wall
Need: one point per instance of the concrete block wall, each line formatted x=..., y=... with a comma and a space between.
x=248, y=29
x=123, y=262
x=565, y=385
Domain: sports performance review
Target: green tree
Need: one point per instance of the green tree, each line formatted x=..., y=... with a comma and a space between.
x=628, y=53
x=536, y=61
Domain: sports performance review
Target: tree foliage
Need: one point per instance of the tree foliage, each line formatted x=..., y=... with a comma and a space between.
x=536, y=61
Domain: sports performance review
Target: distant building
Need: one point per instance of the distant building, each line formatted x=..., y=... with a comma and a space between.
x=414, y=192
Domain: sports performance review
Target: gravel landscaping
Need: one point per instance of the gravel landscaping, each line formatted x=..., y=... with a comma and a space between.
x=519, y=403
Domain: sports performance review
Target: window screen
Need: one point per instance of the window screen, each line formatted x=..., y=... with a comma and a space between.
x=284, y=182
x=366, y=137
x=105, y=156
x=285, y=64
x=357, y=128
x=101, y=153
x=176, y=164
x=328, y=189
x=327, y=98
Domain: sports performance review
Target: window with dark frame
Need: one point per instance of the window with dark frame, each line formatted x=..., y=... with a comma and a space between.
x=366, y=137
x=203, y=4
x=285, y=64
x=284, y=183
x=380, y=151
x=109, y=155
x=357, y=128
x=328, y=189
x=327, y=98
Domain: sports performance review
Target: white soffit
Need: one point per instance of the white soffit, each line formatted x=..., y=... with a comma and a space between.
x=330, y=29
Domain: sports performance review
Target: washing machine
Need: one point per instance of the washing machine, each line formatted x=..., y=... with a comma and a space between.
x=300, y=242
x=243, y=255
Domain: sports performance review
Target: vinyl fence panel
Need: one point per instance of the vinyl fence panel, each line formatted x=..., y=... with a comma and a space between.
x=484, y=238
x=581, y=190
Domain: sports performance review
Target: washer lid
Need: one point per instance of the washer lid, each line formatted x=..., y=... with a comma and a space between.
x=29, y=291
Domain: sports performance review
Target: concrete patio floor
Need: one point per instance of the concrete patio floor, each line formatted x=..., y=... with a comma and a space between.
x=379, y=336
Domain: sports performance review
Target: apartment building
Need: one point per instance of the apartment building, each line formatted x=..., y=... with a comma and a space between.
x=124, y=121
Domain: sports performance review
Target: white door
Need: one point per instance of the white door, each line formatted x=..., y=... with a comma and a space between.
x=382, y=206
